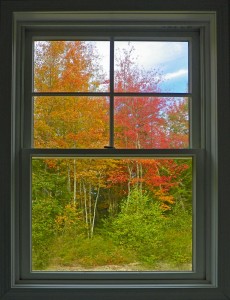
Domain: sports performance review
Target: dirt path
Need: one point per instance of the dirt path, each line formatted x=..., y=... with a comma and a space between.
x=77, y=268
x=123, y=268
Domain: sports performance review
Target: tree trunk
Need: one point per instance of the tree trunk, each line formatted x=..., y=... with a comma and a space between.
x=86, y=209
x=74, y=181
x=94, y=210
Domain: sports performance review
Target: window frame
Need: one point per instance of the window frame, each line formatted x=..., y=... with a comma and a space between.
x=26, y=92
x=35, y=32
x=216, y=286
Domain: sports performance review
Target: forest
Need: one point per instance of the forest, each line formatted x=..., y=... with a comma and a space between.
x=107, y=213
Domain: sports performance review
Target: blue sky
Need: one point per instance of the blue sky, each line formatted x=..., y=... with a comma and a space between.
x=171, y=58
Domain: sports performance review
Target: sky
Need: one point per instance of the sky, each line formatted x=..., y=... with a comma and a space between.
x=170, y=58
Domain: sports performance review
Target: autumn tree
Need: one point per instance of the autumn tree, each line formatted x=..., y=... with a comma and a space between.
x=77, y=193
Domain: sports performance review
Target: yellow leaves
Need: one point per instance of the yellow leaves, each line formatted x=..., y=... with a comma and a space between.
x=169, y=199
x=61, y=220
x=70, y=216
x=70, y=122
x=166, y=199
x=165, y=207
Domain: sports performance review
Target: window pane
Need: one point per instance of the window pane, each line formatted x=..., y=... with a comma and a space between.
x=71, y=66
x=111, y=214
x=151, y=66
x=151, y=122
x=71, y=122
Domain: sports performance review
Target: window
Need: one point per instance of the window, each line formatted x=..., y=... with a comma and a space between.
x=102, y=142
x=112, y=152
x=90, y=92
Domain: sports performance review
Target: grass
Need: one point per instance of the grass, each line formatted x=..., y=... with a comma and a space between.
x=69, y=253
x=88, y=253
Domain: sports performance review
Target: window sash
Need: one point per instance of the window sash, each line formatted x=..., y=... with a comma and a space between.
x=149, y=277
x=193, y=77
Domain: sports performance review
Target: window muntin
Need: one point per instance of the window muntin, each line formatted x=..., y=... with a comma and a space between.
x=83, y=122
x=80, y=68
x=56, y=61
x=29, y=153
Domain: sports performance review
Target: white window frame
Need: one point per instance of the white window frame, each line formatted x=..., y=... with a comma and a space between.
x=214, y=285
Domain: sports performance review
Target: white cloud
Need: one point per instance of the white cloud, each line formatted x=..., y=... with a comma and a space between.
x=179, y=73
x=153, y=54
x=148, y=53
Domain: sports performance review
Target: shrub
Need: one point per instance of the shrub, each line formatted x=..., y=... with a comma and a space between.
x=44, y=213
x=139, y=225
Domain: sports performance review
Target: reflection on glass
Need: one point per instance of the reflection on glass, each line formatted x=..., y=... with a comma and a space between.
x=151, y=66
x=71, y=66
x=70, y=122
x=111, y=214
x=151, y=122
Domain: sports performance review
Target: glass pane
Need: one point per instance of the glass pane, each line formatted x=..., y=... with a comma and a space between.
x=125, y=214
x=151, y=122
x=71, y=66
x=151, y=66
x=71, y=122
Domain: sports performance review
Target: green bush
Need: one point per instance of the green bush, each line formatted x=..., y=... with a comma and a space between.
x=155, y=238
x=138, y=226
x=44, y=213
x=141, y=233
x=177, y=240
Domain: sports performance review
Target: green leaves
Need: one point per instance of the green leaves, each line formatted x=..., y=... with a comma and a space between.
x=44, y=213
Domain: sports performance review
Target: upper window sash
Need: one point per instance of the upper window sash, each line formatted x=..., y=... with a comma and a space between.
x=193, y=94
